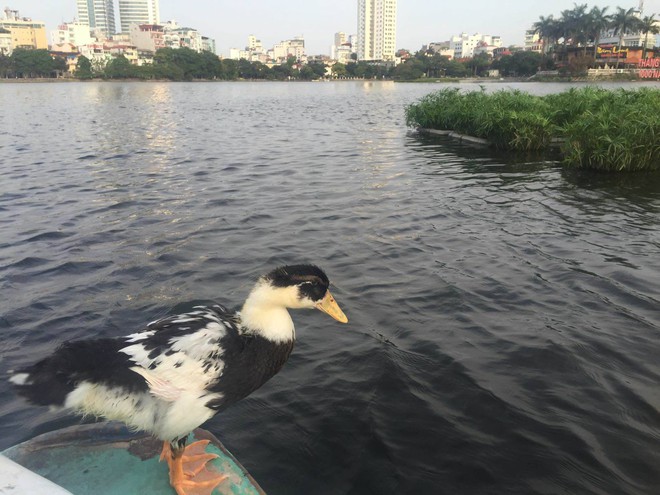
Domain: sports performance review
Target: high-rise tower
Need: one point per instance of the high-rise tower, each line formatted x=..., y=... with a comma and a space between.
x=138, y=12
x=97, y=14
x=376, y=29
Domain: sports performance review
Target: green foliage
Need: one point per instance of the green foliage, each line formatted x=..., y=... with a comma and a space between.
x=33, y=63
x=600, y=129
x=432, y=65
x=339, y=70
x=120, y=68
x=84, y=68
x=182, y=64
x=5, y=65
x=618, y=131
x=366, y=70
x=189, y=63
x=519, y=64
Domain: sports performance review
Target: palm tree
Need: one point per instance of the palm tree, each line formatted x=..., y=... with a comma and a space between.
x=546, y=28
x=575, y=24
x=648, y=25
x=598, y=22
x=623, y=21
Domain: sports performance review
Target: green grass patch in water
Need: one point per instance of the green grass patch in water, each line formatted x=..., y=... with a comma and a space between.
x=610, y=130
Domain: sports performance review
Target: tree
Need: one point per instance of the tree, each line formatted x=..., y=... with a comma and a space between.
x=546, y=27
x=59, y=65
x=339, y=70
x=576, y=25
x=119, y=68
x=210, y=65
x=598, y=21
x=252, y=70
x=478, y=63
x=623, y=21
x=410, y=70
x=229, y=69
x=648, y=25
x=522, y=63
x=6, y=66
x=83, y=68
x=32, y=63
x=454, y=68
x=318, y=68
x=307, y=73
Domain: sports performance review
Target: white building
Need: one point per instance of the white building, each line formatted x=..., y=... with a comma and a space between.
x=254, y=44
x=342, y=48
x=138, y=12
x=98, y=15
x=533, y=41
x=376, y=30
x=76, y=33
x=254, y=51
x=183, y=37
x=342, y=54
x=464, y=45
x=629, y=39
x=208, y=44
x=295, y=48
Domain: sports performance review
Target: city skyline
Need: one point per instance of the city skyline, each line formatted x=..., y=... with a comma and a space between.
x=418, y=22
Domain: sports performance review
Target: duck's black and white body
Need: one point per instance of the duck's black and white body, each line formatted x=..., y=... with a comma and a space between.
x=181, y=370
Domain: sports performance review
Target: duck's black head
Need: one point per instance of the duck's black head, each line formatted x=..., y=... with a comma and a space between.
x=312, y=282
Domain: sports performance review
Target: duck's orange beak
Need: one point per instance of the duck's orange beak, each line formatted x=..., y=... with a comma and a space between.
x=329, y=306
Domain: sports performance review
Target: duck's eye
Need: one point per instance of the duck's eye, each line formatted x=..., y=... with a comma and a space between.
x=312, y=290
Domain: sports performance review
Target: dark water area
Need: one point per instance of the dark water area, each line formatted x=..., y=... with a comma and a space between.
x=504, y=313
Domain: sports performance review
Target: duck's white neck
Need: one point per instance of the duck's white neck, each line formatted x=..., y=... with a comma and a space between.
x=265, y=313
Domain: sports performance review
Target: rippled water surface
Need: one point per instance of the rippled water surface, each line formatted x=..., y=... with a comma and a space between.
x=504, y=313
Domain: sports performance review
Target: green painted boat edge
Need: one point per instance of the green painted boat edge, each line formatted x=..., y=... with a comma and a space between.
x=107, y=458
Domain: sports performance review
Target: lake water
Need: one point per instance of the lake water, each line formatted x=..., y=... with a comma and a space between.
x=504, y=313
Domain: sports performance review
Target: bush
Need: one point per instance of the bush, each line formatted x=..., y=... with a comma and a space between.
x=600, y=129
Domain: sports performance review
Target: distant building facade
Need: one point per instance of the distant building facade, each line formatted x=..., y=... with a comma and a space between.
x=441, y=48
x=148, y=37
x=376, y=30
x=5, y=41
x=533, y=41
x=75, y=33
x=98, y=15
x=284, y=50
x=465, y=45
x=630, y=39
x=24, y=32
x=138, y=12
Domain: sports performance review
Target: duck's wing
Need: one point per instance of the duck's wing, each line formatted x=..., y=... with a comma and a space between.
x=183, y=351
x=49, y=381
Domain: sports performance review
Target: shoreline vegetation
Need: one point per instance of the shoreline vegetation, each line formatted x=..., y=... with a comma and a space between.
x=594, y=128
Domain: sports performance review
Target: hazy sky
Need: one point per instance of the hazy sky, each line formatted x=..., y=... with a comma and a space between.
x=419, y=21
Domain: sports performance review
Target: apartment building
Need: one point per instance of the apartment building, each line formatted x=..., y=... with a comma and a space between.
x=24, y=32
x=99, y=15
x=376, y=30
x=138, y=12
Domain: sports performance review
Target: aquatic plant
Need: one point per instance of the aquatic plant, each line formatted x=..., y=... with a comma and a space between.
x=620, y=134
x=611, y=130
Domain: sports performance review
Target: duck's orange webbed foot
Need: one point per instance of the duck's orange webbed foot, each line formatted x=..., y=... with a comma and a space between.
x=188, y=472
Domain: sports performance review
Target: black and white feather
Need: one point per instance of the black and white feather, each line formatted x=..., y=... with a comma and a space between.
x=180, y=370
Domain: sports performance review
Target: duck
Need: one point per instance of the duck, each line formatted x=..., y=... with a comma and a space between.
x=179, y=371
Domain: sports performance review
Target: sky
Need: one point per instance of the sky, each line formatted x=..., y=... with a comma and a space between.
x=419, y=22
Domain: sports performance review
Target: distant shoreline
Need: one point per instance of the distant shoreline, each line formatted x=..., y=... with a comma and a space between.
x=415, y=81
